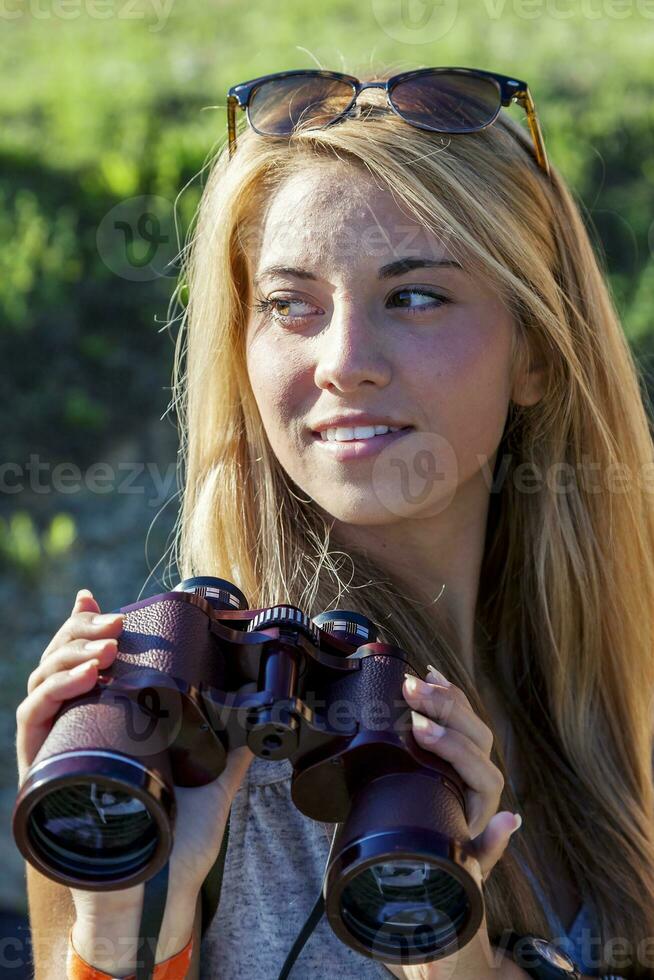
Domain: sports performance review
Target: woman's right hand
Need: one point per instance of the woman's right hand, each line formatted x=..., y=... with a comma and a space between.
x=68, y=668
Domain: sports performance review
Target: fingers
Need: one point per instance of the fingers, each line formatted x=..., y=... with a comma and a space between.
x=84, y=602
x=85, y=643
x=85, y=622
x=457, y=740
x=492, y=843
x=434, y=676
x=34, y=715
x=72, y=654
x=441, y=704
x=86, y=625
x=481, y=775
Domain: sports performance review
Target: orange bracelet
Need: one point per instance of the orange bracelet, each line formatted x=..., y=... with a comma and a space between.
x=174, y=968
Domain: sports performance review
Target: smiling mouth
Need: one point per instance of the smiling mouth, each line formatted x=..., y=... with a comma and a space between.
x=346, y=442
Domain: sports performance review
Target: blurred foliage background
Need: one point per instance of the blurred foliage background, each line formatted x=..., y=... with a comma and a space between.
x=109, y=112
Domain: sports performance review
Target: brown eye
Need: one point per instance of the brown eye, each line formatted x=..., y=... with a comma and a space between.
x=270, y=306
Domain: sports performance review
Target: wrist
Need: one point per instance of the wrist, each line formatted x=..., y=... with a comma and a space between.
x=109, y=942
x=106, y=927
x=175, y=967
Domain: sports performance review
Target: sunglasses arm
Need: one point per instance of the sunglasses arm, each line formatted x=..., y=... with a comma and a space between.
x=232, y=105
x=525, y=100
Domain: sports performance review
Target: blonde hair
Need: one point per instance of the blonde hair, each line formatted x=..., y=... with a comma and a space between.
x=565, y=616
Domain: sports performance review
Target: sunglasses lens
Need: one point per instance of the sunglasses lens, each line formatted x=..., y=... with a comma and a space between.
x=447, y=101
x=279, y=106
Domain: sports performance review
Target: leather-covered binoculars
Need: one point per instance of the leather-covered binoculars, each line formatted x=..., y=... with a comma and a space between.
x=97, y=808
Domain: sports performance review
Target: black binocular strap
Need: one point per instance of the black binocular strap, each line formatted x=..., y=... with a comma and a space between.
x=210, y=895
x=315, y=915
x=154, y=904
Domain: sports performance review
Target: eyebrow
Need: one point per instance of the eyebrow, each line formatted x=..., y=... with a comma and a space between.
x=385, y=272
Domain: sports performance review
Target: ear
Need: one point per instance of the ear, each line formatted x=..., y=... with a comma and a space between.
x=530, y=378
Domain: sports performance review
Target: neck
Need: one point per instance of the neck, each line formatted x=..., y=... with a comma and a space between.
x=437, y=559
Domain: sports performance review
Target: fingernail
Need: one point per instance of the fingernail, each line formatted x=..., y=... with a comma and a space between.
x=83, y=668
x=104, y=619
x=437, y=675
x=411, y=683
x=518, y=822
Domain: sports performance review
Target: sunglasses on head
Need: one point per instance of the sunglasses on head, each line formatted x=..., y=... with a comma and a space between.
x=441, y=100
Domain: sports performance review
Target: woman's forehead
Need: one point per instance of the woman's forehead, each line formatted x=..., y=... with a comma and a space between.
x=335, y=212
x=333, y=193
x=302, y=239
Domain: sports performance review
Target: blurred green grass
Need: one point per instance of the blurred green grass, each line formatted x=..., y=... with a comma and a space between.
x=101, y=109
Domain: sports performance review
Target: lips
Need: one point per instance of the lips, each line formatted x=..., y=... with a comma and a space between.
x=359, y=448
x=353, y=428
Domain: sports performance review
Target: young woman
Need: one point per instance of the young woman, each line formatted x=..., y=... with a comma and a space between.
x=397, y=268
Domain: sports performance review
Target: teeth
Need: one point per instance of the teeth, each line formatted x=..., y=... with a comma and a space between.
x=343, y=434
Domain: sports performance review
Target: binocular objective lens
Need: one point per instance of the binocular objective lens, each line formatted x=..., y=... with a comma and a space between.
x=93, y=830
x=400, y=904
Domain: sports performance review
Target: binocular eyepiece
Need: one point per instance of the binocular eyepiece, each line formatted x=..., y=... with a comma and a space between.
x=96, y=810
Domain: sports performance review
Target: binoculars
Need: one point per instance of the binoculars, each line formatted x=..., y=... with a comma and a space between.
x=96, y=810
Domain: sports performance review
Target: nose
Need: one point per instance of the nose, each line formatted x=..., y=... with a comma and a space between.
x=350, y=352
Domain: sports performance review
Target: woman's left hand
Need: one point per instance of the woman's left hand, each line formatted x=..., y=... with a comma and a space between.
x=445, y=724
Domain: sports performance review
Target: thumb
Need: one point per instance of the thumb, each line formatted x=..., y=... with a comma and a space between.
x=238, y=760
x=491, y=844
x=236, y=766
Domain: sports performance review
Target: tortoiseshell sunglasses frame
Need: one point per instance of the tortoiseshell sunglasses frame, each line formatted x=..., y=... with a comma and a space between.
x=510, y=90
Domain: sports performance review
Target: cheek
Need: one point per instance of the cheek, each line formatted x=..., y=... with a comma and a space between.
x=276, y=385
x=470, y=388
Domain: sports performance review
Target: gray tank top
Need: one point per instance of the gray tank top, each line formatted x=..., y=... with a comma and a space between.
x=274, y=869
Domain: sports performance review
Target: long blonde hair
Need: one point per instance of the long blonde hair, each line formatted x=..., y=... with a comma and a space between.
x=565, y=614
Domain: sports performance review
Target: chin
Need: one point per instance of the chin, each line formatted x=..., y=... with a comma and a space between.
x=363, y=513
